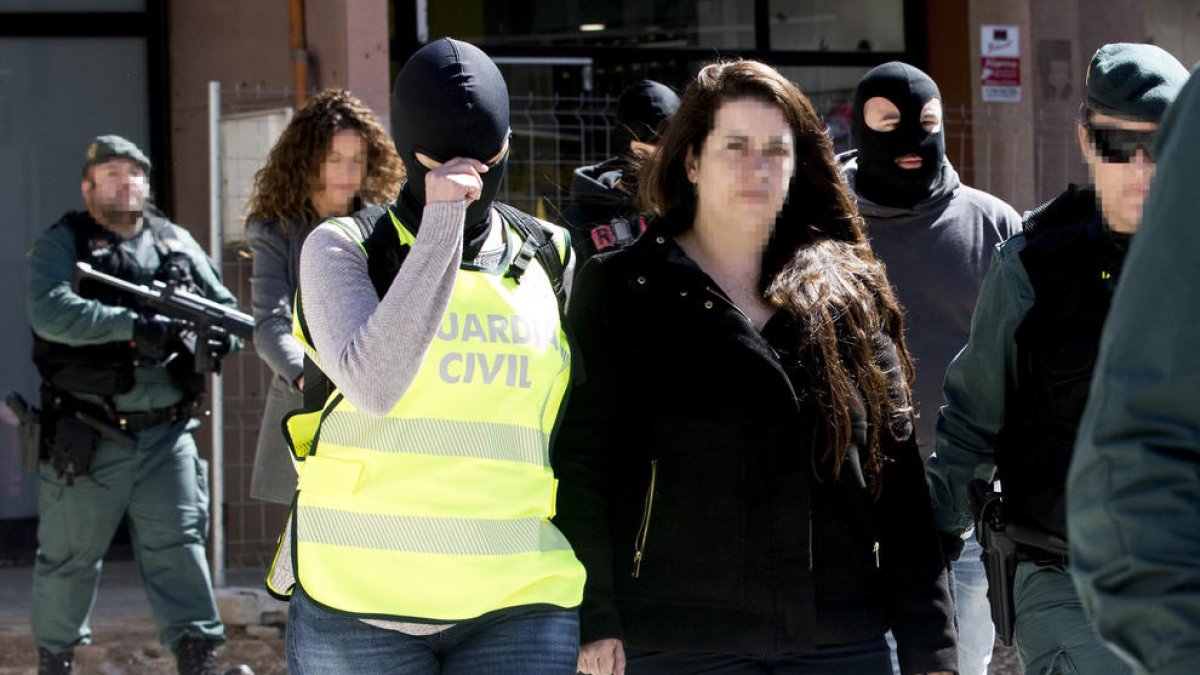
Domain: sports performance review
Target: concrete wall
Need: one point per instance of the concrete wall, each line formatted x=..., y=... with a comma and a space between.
x=348, y=43
x=1174, y=25
x=1055, y=85
x=947, y=26
x=1003, y=131
x=1027, y=152
x=242, y=43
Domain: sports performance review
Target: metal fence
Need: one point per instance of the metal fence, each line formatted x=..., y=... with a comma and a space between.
x=552, y=136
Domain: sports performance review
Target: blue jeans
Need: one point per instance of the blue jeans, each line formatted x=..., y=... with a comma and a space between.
x=513, y=642
x=869, y=657
x=972, y=612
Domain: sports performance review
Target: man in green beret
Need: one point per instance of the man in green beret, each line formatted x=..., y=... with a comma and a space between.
x=119, y=392
x=1016, y=392
x=1133, y=494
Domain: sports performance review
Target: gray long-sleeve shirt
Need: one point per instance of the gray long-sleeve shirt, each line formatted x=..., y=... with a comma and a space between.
x=370, y=347
x=357, y=333
x=937, y=253
x=273, y=283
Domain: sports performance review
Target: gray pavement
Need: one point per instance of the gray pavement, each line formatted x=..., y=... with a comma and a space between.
x=120, y=594
x=124, y=626
x=124, y=634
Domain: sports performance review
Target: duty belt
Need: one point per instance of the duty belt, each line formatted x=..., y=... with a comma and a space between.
x=145, y=419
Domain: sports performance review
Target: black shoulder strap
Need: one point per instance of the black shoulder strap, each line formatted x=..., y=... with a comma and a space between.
x=81, y=230
x=539, y=243
x=367, y=219
x=385, y=255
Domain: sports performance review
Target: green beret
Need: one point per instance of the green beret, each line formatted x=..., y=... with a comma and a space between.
x=1138, y=81
x=104, y=148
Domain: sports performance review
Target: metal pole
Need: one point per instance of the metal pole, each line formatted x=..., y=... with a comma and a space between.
x=217, y=484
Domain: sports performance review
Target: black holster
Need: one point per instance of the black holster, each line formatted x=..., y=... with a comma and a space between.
x=999, y=557
x=73, y=447
x=72, y=431
x=30, y=429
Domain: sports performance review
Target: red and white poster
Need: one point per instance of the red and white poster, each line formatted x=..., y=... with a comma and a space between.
x=1000, y=67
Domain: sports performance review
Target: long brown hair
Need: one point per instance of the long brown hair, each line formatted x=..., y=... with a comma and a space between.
x=283, y=186
x=817, y=266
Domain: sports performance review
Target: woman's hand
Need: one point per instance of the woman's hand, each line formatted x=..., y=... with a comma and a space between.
x=602, y=657
x=455, y=181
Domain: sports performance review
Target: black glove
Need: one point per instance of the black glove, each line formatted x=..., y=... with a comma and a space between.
x=952, y=546
x=209, y=348
x=219, y=344
x=152, y=336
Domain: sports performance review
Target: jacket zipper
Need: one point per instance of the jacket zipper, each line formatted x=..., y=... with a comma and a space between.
x=639, y=544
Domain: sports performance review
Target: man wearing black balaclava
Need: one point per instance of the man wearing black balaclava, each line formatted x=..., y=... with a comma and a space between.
x=421, y=536
x=898, y=132
x=603, y=215
x=936, y=237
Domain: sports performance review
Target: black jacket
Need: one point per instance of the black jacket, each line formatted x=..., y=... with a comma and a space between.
x=602, y=216
x=684, y=441
x=1073, y=262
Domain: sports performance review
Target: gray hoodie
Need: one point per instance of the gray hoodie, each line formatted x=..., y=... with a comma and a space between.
x=936, y=254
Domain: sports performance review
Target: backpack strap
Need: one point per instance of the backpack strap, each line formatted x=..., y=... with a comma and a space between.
x=367, y=218
x=538, y=243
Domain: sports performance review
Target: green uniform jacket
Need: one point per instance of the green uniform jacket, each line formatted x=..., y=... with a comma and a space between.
x=976, y=381
x=1134, y=486
x=58, y=314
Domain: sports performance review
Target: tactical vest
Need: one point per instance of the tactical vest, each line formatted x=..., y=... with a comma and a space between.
x=1072, y=263
x=107, y=369
x=440, y=510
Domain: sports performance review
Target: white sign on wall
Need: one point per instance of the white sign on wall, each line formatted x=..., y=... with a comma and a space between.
x=1000, y=63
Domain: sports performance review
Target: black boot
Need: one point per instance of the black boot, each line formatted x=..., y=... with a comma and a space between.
x=194, y=656
x=50, y=663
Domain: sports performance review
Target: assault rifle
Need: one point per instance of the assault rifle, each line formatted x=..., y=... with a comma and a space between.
x=1002, y=541
x=209, y=321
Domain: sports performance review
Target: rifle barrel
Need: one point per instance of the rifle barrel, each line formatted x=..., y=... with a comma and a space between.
x=174, y=302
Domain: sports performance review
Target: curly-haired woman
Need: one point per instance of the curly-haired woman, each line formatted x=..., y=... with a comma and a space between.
x=738, y=470
x=331, y=157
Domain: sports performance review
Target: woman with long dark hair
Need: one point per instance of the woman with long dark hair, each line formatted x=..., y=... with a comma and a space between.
x=738, y=470
x=332, y=156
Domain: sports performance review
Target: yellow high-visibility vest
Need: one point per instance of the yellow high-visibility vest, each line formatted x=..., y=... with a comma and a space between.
x=441, y=509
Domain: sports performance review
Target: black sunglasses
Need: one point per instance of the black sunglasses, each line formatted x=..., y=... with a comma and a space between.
x=1118, y=146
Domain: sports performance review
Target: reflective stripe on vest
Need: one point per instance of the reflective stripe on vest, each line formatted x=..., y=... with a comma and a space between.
x=440, y=509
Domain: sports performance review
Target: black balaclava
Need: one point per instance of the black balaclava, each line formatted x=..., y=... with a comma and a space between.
x=879, y=178
x=450, y=100
x=641, y=110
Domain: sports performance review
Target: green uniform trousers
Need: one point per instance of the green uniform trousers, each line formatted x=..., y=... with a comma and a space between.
x=162, y=488
x=1054, y=637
